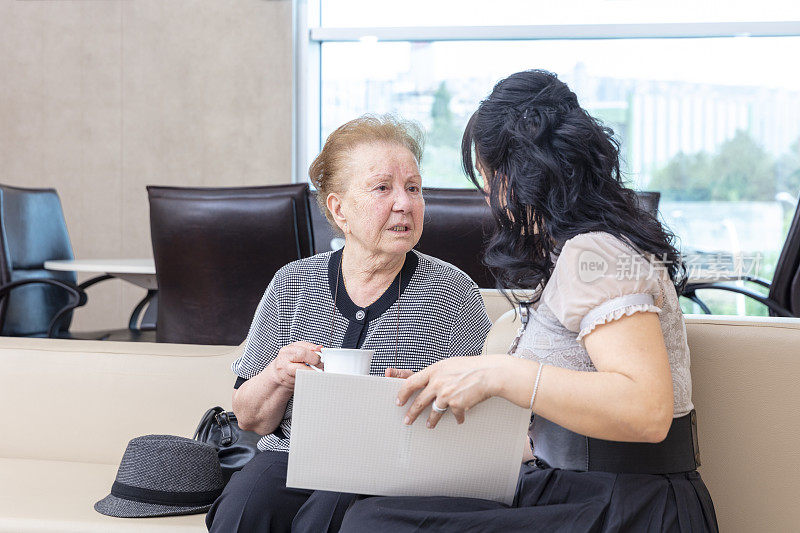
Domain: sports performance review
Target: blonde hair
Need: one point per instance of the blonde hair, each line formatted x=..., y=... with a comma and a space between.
x=326, y=170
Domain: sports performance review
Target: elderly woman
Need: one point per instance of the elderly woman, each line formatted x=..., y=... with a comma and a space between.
x=603, y=361
x=376, y=293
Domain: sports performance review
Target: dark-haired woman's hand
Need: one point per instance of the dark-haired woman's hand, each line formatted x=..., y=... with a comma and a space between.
x=456, y=383
x=401, y=373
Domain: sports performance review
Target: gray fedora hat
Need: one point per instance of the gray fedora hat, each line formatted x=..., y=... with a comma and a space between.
x=164, y=475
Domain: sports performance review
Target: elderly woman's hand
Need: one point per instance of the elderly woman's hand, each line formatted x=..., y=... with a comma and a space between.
x=458, y=383
x=292, y=357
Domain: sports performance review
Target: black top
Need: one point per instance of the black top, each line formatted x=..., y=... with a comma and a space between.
x=439, y=314
x=359, y=317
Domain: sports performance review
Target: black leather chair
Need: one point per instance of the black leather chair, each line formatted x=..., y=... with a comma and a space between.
x=783, y=298
x=457, y=225
x=35, y=302
x=457, y=222
x=323, y=231
x=649, y=200
x=216, y=250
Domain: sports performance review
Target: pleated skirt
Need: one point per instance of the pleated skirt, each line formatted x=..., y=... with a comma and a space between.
x=552, y=500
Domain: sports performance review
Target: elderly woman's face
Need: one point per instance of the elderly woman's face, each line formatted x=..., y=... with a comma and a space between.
x=382, y=203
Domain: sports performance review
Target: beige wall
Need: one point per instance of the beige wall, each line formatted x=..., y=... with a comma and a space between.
x=100, y=98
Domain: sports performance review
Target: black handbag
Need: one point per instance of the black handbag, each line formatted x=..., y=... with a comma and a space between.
x=235, y=447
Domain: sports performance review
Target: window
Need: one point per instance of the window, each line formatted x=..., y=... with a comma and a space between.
x=705, y=101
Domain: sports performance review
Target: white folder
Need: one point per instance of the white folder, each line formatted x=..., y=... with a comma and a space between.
x=348, y=436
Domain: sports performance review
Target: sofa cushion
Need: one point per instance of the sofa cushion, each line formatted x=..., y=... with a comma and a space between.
x=84, y=400
x=58, y=496
x=745, y=372
x=497, y=304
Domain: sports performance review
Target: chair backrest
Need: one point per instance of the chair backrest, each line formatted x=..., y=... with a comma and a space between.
x=216, y=250
x=649, y=200
x=785, y=286
x=457, y=225
x=323, y=231
x=32, y=231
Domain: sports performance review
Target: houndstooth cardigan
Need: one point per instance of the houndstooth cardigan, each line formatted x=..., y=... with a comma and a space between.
x=439, y=314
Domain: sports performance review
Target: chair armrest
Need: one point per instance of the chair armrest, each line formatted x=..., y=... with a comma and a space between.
x=134, y=319
x=774, y=307
x=133, y=322
x=77, y=297
x=690, y=294
x=759, y=281
x=97, y=279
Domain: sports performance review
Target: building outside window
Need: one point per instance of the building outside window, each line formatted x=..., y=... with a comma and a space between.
x=704, y=100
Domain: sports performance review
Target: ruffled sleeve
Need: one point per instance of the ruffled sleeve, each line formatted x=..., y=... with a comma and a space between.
x=598, y=279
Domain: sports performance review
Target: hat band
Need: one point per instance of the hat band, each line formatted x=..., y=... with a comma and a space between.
x=163, y=497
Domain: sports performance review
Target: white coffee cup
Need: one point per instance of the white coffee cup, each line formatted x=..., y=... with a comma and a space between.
x=346, y=360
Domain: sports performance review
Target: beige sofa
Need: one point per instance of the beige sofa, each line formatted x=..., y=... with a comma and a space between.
x=70, y=408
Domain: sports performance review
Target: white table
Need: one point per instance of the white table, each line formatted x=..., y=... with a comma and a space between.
x=141, y=272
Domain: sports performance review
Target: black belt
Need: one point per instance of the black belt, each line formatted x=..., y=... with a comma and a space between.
x=558, y=447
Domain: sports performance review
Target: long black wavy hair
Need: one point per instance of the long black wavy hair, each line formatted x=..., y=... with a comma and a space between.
x=552, y=173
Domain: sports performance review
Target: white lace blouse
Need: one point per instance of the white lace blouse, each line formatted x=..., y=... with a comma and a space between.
x=596, y=279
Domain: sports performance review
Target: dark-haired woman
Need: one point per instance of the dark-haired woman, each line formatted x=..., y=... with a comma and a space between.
x=603, y=361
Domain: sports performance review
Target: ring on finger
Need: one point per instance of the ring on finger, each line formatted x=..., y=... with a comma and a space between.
x=437, y=408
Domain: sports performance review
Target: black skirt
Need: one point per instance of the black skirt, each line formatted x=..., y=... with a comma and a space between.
x=551, y=499
x=257, y=499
